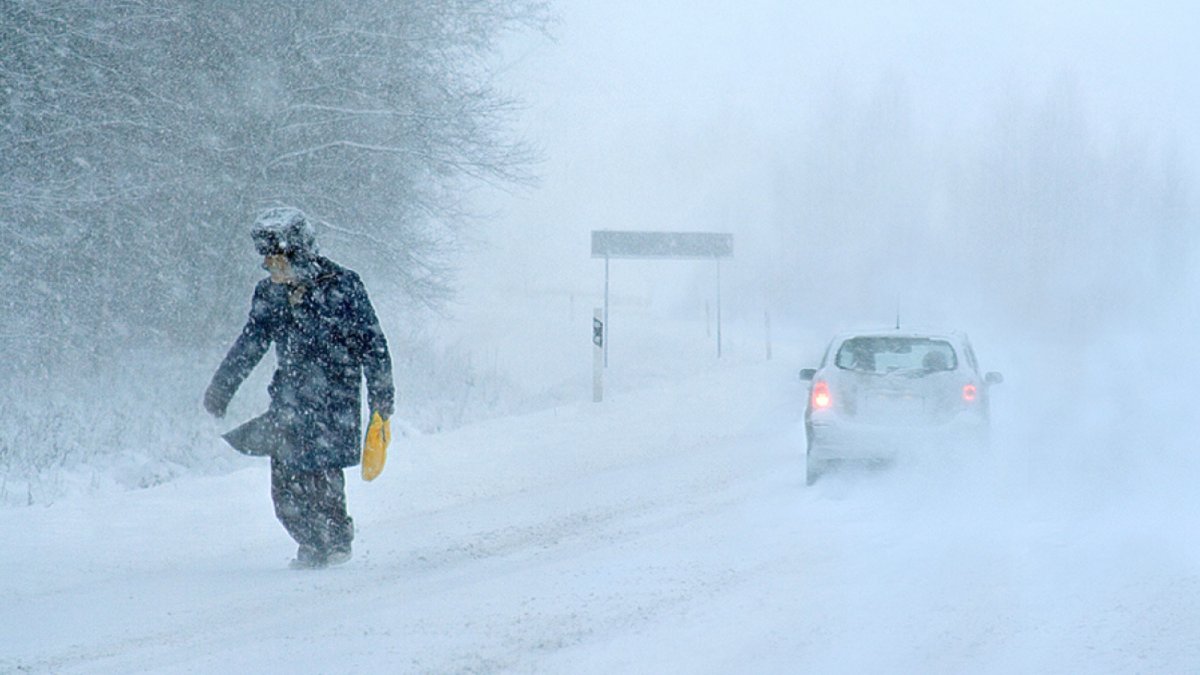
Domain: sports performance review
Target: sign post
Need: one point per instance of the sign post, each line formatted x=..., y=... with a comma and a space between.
x=597, y=355
x=609, y=244
x=718, y=308
x=605, y=346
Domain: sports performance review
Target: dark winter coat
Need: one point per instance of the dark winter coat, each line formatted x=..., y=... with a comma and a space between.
x=326, y=339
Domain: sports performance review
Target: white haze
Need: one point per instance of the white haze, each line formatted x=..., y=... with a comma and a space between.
x=1021, y=171
x=941, y=157
x=1025, y=173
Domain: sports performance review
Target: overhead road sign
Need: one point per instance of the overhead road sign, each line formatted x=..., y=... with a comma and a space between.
x=656, y=245
x=609, y=244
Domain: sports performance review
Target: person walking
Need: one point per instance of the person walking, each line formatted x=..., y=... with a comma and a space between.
x=327, y=338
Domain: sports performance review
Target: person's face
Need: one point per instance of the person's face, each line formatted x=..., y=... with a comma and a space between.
x=279, y=267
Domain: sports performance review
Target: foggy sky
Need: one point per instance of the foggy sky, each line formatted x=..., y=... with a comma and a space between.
x=714, y=116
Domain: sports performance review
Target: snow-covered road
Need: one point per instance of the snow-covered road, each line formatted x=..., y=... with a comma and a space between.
x=666, y=530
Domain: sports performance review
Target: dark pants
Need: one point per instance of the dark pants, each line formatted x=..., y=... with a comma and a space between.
x=312, y=507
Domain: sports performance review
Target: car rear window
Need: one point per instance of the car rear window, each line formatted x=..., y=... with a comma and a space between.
x=879, y=354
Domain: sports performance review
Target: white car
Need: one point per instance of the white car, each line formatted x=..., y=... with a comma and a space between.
x=883, y=394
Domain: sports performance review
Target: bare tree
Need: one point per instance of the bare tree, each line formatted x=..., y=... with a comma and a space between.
x=139, y=137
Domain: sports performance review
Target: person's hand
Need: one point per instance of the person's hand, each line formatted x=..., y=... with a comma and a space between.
x=379, y=435
x=215, y=403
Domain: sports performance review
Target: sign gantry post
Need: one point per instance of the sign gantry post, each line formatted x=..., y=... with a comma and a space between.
x=718, y=308
x=597, y=355
x=609, y=244
x=606, y=308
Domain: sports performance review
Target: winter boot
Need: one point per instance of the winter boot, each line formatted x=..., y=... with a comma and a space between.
x=338, y=557
x=307, y=559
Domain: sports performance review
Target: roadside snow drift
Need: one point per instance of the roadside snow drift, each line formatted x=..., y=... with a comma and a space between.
x=665, y=530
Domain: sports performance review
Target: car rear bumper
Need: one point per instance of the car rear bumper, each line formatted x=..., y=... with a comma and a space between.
x=835, y=440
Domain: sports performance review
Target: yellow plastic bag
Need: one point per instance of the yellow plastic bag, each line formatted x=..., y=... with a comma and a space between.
x=379, y=434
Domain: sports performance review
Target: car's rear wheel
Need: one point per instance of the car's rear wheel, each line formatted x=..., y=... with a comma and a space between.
x=812, y=471
x=812, y=468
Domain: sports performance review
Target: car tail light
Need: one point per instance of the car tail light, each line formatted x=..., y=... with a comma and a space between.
x=970, y=392
x=820, y=396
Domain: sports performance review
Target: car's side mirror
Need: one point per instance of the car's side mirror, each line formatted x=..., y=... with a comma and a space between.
x=993, y=378
x=808, y=374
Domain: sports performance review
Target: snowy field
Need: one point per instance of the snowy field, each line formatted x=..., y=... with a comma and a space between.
x=665, y=530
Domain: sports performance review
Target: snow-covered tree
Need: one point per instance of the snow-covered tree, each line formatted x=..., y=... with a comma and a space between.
x=139, y=138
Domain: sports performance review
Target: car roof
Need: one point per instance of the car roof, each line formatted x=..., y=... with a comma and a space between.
x=958, y=337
